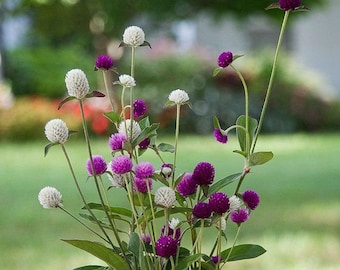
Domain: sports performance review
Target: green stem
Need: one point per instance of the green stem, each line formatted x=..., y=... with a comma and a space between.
x=271, y=80
x=219, y=243
x=231, y=249
x=107, y=90
x=178, y=112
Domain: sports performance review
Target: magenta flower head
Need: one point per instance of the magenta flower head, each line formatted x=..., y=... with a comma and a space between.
x=144, y=169
x=219, y=203
x=225, y=59
x=239, y=216
x=219, y=136
x=216, y=259
x=289, y=4
x=145, y=237
x=121, y=164
x=104, y=62
x=144, y=144
x=142, y=185
x=251, y=199
x=166, y=246
x=116, y=141
x=139, y=108
x=204, y=173
x=99, y=165
x=202, y=210
x=187, y=186
x=175, y=234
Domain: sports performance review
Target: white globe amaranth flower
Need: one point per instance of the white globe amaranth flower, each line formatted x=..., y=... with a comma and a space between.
x=56, y=131
x=173, y=223
x=125, y=129
x=221, y=223
x=77, y=84
x=165, y=196
x=117, y=180
x=235, y=203
x=179, y=96
x=133, y=36
x=50, y=197
x=127, y=80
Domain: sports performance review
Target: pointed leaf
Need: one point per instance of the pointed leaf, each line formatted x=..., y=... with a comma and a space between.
x=165, y=147
x=146, y=43
x=272, y=6
x=101, y=252
x=241, y=134
x=216, y=123
x=146, y=133
x=113, y=117
x=259, y=158
x=222, y=183
x=47, y=148
x=134, y=244
x=95, y=94
x=118, y=210
x=237, y=56
x=187, y=261
x=92, y=267
x=216, y=71
x=68, y=98
x=169, y=103
x=243, y=252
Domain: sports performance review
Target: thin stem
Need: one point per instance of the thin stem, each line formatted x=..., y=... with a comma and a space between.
x=107, y=90
x=271, y=80
x=231, y=249
x=178, y=112
x=219, y=243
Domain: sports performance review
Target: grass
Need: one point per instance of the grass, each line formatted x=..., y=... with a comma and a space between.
x=298, y=220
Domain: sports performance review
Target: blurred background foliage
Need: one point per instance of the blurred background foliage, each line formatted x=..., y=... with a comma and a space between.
x=66, y=34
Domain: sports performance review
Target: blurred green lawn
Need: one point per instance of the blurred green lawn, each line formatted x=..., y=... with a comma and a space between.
x=298, y=220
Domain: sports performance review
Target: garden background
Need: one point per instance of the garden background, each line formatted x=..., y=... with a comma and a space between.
x=298, y=220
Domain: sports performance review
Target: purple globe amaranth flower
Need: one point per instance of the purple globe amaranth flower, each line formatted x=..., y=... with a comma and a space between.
x=142, y=185
x=104, y=62
x=216, y=259
x=99, y=165
x=121, y=164
x=289, y=4
x=219, y=136
x=251, y=199
x=139, y=108
x=239, y=216
x=175, y=234
x=166, y=246
x=219, y=203
x=187, y=186
x=144, y=169
x=225, y=59
x=144, y=144
x=145, y=237
x=202, y=210
x=204, y=173
x=116, y=141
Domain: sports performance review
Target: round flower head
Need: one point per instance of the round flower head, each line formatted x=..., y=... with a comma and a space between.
x=221, y=223
x=133, y=36
x=144, y=169
x=225, y=59
x=142, y=185
x=219, y=136
x=117, y=180
x=144, y=144
x=239, y=216
x=289, y=4
x=202, y=210
x=219, y=203
x=124, y=128
x=116, y=141
x=99, y=165
x=166, y=246
x=145, y=237
x=165, y=196
x=235, y=203
x=139, y=108
x=121, y=164
x=50, y=197
x=251, y=199
x=104, y=62
x=179, y=96
x=216, y=259
x=174, y=233
x=77, y=84
x=166, y=170
x=56, y=131
x=187, y=186
x=127, y=80
x=173, y=223
x=204, y=173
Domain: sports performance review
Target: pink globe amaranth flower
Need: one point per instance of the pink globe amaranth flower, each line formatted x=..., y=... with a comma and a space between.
x=225, y=59
x=121, y=164
x=219, y=136
x=116, y=141
x=139, y=108
x=144, y=169
x=144, y=144
x=141, y=185
x=166, y=246
x=251, y=199
x=99, y=165
x=204, y=173
x=219, y=203
x=187, y=186
x=289, y=4
x=104, y=62
x=239, y=216
x=202, y=210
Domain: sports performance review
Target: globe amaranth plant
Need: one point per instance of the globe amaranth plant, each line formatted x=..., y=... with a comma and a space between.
x=166, y=206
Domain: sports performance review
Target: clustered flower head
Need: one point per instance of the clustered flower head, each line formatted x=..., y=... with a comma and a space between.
x=77, y=84
x=239, y=216
x=104, y=62
x=144, y=144
x=121, y=164
x=142, y=185
x=219, y=203
x=133, y=36
x=204, y=173
x=225, y=59
x=187, y=186
x=139, y=108
x=251, y=199
x=117, y=180
x=98, y=163
x=144, y=169
x=50, y=197
x=166, y=246
x=166, y=170
x=289, y=4
x=179, y=97
x=127, y=80
x=116, y=141
x=125, y=129
x=56, y=131
x=202, y=210
x=165, y=197
x=219, y=136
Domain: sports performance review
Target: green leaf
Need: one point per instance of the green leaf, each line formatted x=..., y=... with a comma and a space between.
x=101, y=252
x=216, y=71
x=237, y=56
x=118, y=210
x=92, y=267
x=241, y=134
x=47, y=148
x=259, y=158
x=165, y=147
x=216, y=122
x=113, y=117
x=222, y=183
x=146, y=43
x=67, y=99
x=146, y=133
x=187, y=261
x=134, y=244
x=169, y=103
x=95, y=94
x=243, y=252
